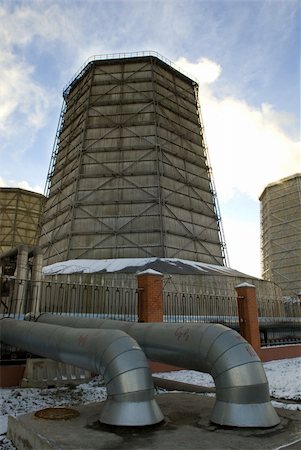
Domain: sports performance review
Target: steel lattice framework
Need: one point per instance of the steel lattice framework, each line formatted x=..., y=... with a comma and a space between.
x=129, y=175
x=20, y=213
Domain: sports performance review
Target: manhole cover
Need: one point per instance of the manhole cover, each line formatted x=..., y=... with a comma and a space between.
x=57, y=413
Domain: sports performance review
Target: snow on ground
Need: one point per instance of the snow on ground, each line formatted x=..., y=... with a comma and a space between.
x=188, y=376
x=17, y=401
x=284, y=378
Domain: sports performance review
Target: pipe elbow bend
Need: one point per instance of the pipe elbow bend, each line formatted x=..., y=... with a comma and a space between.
x=130, y=387
x=242, y=390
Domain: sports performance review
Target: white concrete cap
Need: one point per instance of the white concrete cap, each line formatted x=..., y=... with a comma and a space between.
x=245, y=285
x=150, y=272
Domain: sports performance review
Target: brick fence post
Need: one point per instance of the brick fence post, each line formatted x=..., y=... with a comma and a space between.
x=248, y=314
x=150, y=296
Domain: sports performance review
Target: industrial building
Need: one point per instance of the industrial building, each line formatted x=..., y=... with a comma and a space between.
x=20, y=213
x=281, y=234
x=129, y=174
x=129, y=191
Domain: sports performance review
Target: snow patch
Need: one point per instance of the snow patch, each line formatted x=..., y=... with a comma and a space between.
x=94, y=265
x=119, y=264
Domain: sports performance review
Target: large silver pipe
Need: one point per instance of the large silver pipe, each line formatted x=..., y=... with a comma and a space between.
x=111, y=353
x=242, y=391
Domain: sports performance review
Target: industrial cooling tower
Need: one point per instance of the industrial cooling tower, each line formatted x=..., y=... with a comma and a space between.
x=129, y=175
x=20, y=213
x=281, y=234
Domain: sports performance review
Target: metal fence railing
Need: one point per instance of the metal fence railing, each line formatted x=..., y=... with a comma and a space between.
x=20, y=297
x=279, y=321
x=198, y=307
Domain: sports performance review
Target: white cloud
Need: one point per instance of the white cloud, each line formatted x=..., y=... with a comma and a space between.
x=248, y=146
x=23, y=23
x=21, y=185
x=243, y=236
x=24, y=102
x=20, y=93
x=205, y=70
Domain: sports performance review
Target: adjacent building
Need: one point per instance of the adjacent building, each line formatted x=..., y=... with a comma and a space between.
x=20, y=214
x=281, y=234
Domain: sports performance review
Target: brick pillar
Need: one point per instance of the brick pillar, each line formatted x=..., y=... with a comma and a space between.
x=150, y=297
x=248, y=315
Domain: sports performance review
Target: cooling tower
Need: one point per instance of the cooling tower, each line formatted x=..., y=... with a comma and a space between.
x=281, y=234
x=129, y=175
x=20, y=213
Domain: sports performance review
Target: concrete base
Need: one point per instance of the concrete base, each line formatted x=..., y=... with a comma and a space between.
x=44, y=372
x=186, y=426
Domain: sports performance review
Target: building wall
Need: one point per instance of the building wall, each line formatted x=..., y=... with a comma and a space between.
x=281, y=234
x=130, y=176
x=20, y=213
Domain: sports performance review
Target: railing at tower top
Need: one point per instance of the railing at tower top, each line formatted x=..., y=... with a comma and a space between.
x=108, y=56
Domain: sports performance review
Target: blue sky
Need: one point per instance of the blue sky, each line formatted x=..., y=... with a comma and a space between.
x=245, y=53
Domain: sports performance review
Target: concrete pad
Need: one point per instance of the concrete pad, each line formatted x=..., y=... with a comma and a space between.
x=45, y=372
x=186, y=426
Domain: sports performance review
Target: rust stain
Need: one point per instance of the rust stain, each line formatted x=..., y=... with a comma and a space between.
x=82, y=339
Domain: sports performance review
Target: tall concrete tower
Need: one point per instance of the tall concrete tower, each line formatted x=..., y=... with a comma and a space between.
x=129, y=175
x=281, y=234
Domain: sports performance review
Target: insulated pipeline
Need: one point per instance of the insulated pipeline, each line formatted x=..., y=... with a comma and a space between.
x=242, y=391
x=111, y=353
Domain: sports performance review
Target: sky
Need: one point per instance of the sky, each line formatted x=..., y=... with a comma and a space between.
x=244, y=53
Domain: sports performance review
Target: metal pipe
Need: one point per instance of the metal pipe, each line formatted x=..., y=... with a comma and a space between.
x=242, y=391
x=111, y=353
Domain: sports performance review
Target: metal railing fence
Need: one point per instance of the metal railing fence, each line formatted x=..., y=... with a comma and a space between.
x=107, y=56
x=198, y=307
x=20, y=297
x=279, y=321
